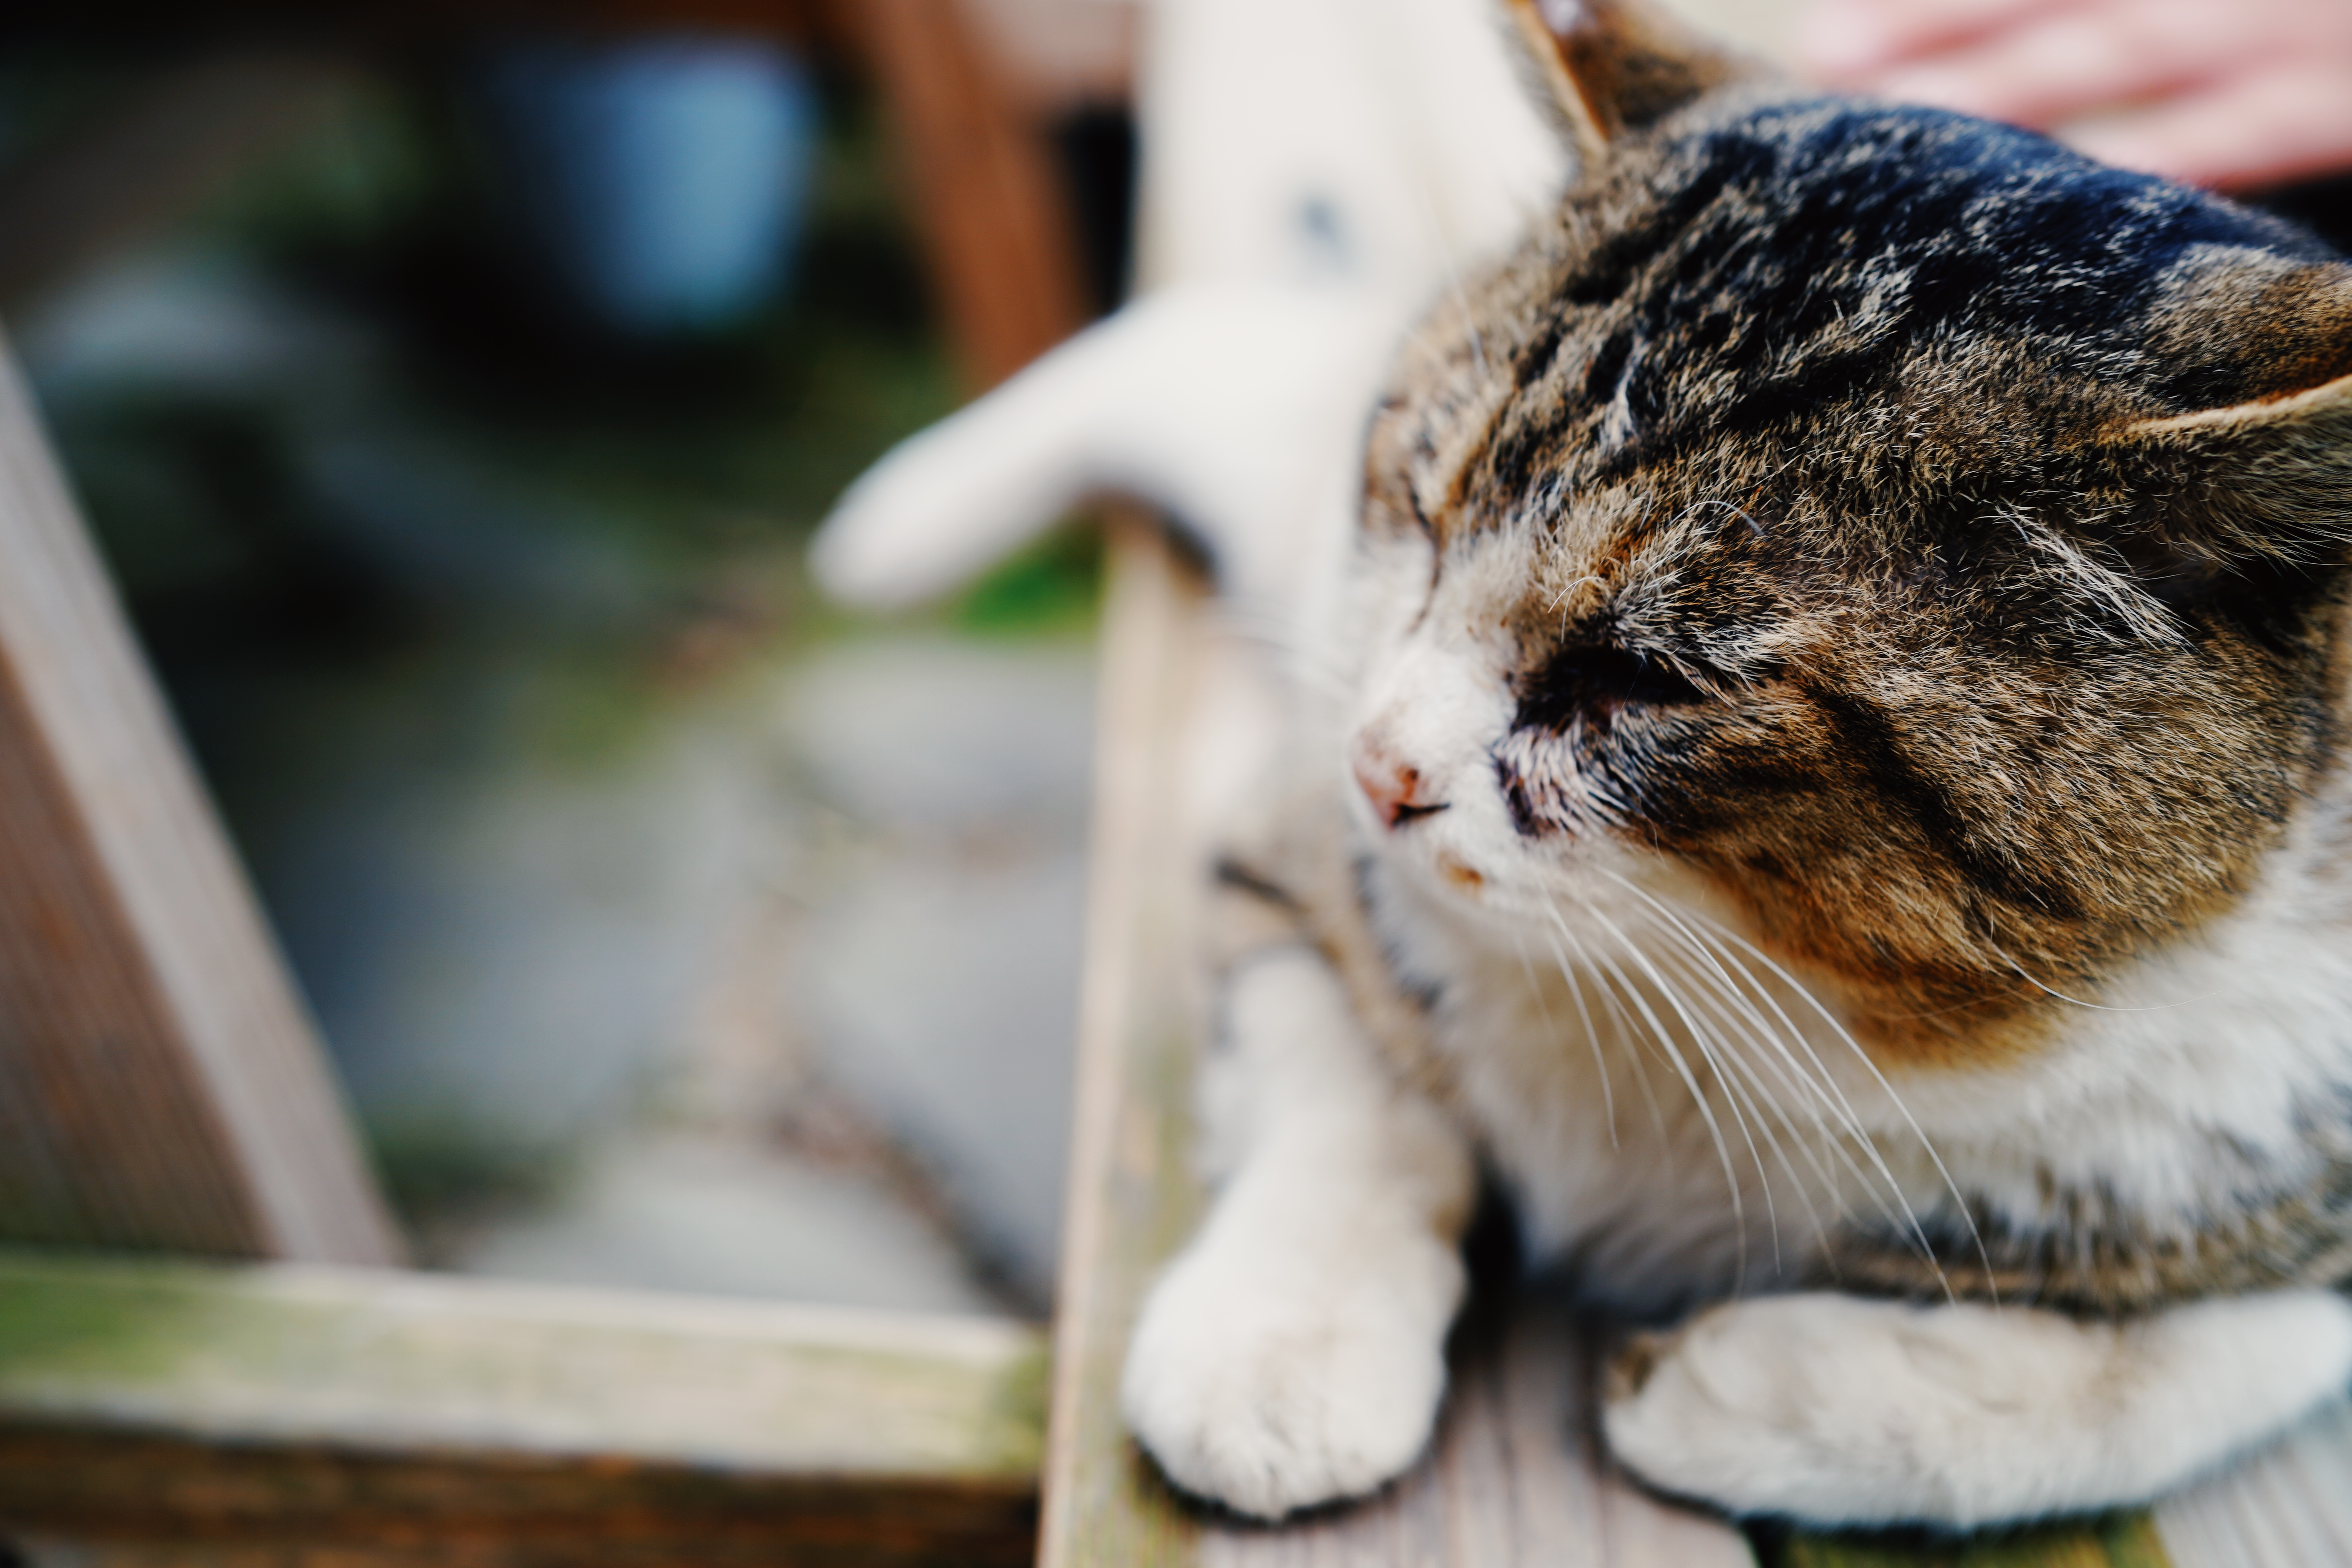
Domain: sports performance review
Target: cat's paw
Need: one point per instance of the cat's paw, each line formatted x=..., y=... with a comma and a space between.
x=1839, y=1410
x=1270, y=1395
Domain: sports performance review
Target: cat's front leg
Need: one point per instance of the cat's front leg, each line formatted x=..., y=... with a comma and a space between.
x=1840, y=1410
x=1294, y=1353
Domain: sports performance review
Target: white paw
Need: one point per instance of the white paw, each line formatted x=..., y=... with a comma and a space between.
x=1274, y=1393
x=1845, y=1411
x=1735, y=1409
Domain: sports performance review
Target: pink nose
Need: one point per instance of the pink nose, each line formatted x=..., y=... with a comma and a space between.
x=1394, y=788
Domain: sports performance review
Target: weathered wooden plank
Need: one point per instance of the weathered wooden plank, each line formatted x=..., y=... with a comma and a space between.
x=1513, y=1478
x=325, y=1412
x=160, y=1082
x=1128, y=1203
x=2288, y=1506
x=989, y=203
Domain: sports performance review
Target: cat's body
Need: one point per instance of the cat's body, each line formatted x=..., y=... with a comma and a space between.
x=1823, y=769
x=1832, y=403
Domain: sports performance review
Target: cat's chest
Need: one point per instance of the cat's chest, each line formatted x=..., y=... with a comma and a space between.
x=1626, y=1141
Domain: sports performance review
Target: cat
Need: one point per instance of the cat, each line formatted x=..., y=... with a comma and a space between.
x=1820, y=771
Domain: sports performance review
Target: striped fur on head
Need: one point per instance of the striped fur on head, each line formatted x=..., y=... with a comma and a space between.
x=1935, y=539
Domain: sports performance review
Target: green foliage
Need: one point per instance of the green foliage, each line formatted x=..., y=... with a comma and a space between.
x=443, y=1172
x=1051, y=588
x=2124, y=1539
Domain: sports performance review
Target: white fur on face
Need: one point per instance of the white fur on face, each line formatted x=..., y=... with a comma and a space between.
x=1641, y=1068
x=1437, y=704
x=1434, y=693
x=1560, y=965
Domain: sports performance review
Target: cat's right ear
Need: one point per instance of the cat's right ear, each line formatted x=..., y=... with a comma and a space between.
x=1612, y=67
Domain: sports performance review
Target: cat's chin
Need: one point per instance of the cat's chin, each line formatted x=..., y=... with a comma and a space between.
x=1599, y=893
x=1497, y=900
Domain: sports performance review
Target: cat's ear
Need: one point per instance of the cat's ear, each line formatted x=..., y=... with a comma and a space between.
x=1616, y=65
x=2268, y=480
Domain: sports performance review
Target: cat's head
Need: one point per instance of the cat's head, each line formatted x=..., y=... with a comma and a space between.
x=1924, y=541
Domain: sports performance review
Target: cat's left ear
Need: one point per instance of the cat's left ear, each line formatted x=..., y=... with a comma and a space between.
x=2270, y=479
x=1613, y=66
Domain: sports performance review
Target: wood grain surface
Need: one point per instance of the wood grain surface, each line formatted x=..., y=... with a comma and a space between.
x=1513, y=1476
x=160, y=1085
x=150, y=1408
x=2285, y=1506
x=1129, y=1204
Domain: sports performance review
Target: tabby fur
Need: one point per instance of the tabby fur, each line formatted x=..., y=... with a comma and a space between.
x=1839, y=803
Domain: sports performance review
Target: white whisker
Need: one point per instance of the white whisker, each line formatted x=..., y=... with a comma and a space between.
x=1918, y=1231
x=1591, y=1039
x=2094, y=1006
x=1708, y=990
x=1626, y=1032
x=1702, y=1042
x=1817, y=1091
x=1698, y=1096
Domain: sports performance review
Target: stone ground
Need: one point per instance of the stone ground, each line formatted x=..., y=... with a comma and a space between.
x=856, y=1089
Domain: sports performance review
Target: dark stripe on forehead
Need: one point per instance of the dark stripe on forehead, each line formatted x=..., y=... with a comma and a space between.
x=1725, y=164
x=1611, y=267
x=1792, y=258
x=1867, y=736
x=1998, y=229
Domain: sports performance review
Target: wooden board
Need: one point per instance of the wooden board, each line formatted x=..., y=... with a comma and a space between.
x=1513, y=1476
x=179, y=1413
x=1128, y=1203
x=2288, y=1506
x=991, y=205
x=160, y=1085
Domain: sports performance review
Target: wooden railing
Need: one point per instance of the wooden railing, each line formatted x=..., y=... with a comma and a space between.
x=154, y=1413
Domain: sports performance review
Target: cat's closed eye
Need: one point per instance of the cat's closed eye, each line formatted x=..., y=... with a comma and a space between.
x=1595, y=681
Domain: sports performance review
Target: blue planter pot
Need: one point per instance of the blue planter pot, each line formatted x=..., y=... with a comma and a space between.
x=663, y=179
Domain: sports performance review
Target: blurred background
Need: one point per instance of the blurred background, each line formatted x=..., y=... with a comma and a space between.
x=453, y=394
